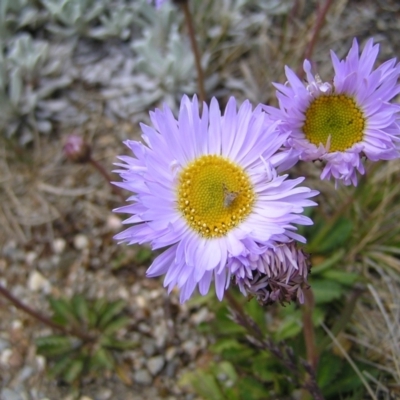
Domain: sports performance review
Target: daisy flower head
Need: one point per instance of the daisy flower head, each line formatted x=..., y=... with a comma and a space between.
x=342, y=121
x=207, y=188
x=277, y=272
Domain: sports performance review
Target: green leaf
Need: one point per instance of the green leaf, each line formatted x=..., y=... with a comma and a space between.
x=205, y=384
x=116, y=325
x=338, y=235
x=223, y=344
x=118, y=344
x=342, y=277
x=80, y=308
x=228, y=369
x=328, y=263
x=61, y=365
x=102, y=359
x=143, y=255
x=251, y=389
x=290, y=327
x=54, y=345
x=73, y=371
x=325, y=291
x=112, y=310
x=63, y=313
x=263, y=368
x=328, y=368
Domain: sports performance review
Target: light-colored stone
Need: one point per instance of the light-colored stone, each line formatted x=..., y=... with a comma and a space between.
x=170, y=353
x=200, y=316
x=155, y=364
x=81, y=241
x=5, y=356
x=143, y=377
x=30, y=257
x=59, y=245
x=38, y=283
x=114, y=223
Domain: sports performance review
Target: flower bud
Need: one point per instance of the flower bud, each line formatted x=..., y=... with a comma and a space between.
x=76, y=149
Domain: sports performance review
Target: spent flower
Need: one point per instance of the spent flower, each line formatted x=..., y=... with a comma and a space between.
x=207, y=188
x=341, y=121
x=277, y=273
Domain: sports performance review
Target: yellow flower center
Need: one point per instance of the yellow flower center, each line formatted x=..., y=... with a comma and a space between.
x=214, y=195
x=337, y=116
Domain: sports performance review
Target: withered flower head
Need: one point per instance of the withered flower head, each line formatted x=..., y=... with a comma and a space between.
x=276, y=274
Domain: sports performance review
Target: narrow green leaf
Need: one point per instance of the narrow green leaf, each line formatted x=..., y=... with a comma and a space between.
x=118, y=344
x=80, y=308
x=102, y=359
x=111, y=311
x=342, y=277
x=73, y=371
x=63, y=313
x=116, y=325
x=325, y=291
x=55, y=345
x=204, y=384
x=328, y=263
x=61, y=365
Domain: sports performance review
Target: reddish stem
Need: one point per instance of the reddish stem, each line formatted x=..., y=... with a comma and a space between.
x=190, y=26
x=107, y=177
x=42, y=318
x=321, y=14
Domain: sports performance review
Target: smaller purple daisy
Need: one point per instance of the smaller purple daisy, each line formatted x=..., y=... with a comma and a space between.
x=339, y=123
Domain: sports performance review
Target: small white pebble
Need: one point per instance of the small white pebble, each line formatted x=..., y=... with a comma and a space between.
x=41, y=363
x=5, y=356
x=81, y=242
x=37, y=282
x=155, y=364
x=113, y=223
x=141, y=301
x=170, y=353
x=16, y=324
x=59, y=245
x=30, y=257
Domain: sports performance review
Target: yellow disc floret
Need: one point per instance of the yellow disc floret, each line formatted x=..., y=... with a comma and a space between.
x=214, y=195
x=337, y=116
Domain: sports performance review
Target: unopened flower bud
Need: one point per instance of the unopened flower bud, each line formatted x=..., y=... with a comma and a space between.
x=76, y=149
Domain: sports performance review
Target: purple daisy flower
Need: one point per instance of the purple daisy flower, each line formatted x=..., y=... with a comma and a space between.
x=343, y=121
x=207, y=189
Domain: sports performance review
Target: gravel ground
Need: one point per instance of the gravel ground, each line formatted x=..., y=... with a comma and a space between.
x=56, y=238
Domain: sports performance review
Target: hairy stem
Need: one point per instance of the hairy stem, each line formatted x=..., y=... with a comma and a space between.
x=196, y=52
x=42, y=318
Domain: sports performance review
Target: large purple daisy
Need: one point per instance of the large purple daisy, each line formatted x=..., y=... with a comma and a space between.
x=343, y=121
x=207, y=189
